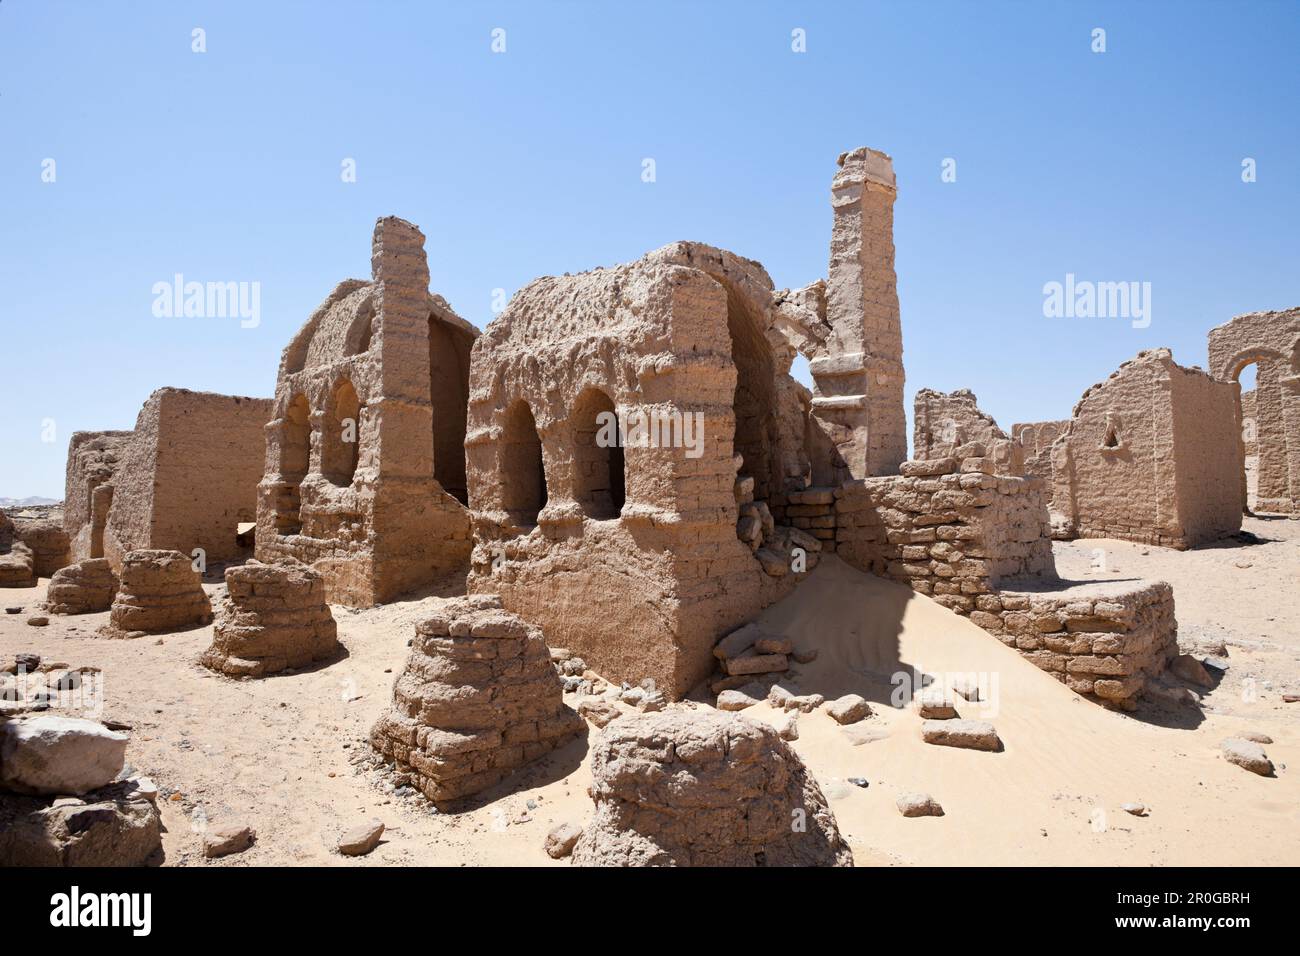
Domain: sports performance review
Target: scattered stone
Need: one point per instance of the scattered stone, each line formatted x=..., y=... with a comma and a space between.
x=735, y=700
x=111, y=827
x=805, y=655
x=739, y=779
x=919, y=805
x=598, y=710
x=1191, y=670
x=1137, y=809
x=787, y=728
x=59, y=755
x=970, y=734
x=1248, y=755
x=933, y=703
x=561, y=840
x=1255, y=736
x=848, y=709
x=862, y=733
x=774, y=645
x=860, y=782
x=28, y=662
x=38, y=620
x=13, y=610
x=228, y=839
x=361, y=839
x=967, y=687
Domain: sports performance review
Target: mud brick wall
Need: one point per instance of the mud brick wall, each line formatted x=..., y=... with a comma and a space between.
x=189, y=475
x=952, y=536
x=1103, y=640
x=811, y=510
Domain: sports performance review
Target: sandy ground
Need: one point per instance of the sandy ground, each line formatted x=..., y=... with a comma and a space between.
x=288, y=754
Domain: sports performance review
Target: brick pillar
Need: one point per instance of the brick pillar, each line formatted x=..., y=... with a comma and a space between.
x=859, y=394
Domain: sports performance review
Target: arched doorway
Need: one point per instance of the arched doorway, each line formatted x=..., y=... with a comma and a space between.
x=598, y=464
x=523, y=472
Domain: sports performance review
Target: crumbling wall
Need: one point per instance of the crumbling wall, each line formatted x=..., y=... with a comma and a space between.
x=979, y=545
x=1153, y=454
x=1035, y=440
x=188, y=476
x=950, y=535
x=365, y=429
x=1271, y=342
x=849, y=326
x=93, y=459
x=944, y=422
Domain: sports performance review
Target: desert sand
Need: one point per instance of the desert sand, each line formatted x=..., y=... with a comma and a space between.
x=289, y=756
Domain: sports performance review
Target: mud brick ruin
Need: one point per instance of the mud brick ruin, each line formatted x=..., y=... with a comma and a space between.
x=623, y=459
x=82, y=588
x=1271, y=342
x=478, y=699
x=364, y=474
x=944, y=424
x=183, y=479
x=709, y=789
x=158, y=591
x=1152, y=454
x=676, y=537
x=271, y=617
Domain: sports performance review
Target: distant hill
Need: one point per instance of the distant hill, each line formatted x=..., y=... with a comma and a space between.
x=27, y=502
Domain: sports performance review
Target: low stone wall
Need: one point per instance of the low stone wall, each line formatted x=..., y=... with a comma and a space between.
x=1101, y=639
x=48, y=541
x=82, y=588
x=979, y=544
x=946, y=534
x=811, y=510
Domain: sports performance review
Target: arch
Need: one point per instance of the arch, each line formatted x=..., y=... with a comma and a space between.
x=598, y=465
x=295, y=461
x=523, y=471
x=361, y=330
x=449, y=351
x=341, y=438
x=755, y=400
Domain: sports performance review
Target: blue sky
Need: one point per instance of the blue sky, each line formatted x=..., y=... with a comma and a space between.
x=225, y=166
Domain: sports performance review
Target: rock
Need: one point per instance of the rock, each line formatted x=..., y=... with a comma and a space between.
x=967, y=687
x=228, y=839
x=774, y=645
x=805, y=655
x=737, y=642
x=1137, y=809
x=848, y=709
x=971, y=734
x=933, y=703
x=1248, y=755
x=361, y=839
x=704, y=788
x=561, y=840
x=774, y=565
x=787, y=697
x=59, y=755
x=735, y=700
x=860, y=782
x=38, y=620
x=29, y=662
x=146, y=788
x=787, y=728
x=651, y=701
x=750, y=663
x=1254, y=736
x=1191, y=670
x=13, y=610
x=599, y=711
x=110, y=828
x=919, y=805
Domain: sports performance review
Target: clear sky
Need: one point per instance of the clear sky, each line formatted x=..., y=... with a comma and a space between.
x=226, y=166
